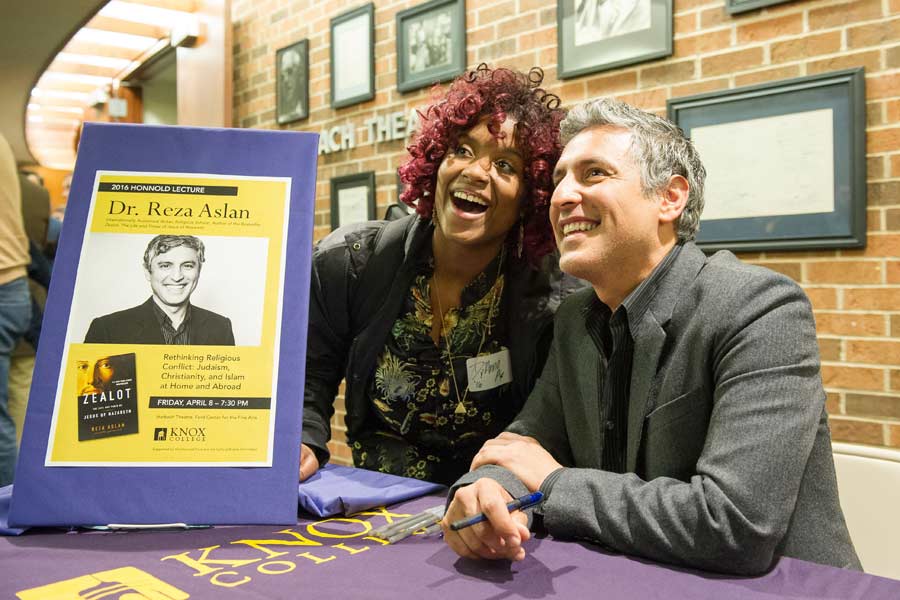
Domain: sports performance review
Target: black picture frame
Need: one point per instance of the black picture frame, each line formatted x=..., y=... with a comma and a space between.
x=776, y=153
x=734, y=7
x=587, y=42
x=352, y=199
x=352, y=53
x=292, y=82
x=431, y=43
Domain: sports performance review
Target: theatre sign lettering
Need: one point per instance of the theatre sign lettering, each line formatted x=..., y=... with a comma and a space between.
x=383, y=128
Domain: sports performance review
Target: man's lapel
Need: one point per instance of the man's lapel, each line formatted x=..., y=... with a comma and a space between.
x=648, y=344
x=200, y=327
x=147, y=327
x=649, y=338
x=586, y=390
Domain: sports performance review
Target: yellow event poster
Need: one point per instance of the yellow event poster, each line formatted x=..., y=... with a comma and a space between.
x=171, y=349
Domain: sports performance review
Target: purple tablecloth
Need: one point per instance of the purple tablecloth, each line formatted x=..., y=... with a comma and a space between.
x=334, y=558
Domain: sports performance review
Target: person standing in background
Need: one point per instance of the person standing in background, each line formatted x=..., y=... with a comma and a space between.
x=15, y=299
x=36, y=216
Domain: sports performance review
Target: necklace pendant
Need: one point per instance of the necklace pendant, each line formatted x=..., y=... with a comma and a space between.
x=460, y=409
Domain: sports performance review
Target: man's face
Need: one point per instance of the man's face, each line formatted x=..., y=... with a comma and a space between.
x=603, y=223
x=173, y=275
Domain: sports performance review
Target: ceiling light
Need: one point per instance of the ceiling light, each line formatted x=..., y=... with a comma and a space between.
x=74, y=78
x=91, y=60
x=126, y=35
x=138, y=13
x=53, y=120
x=62, y=94
x=74, y=110
x=109, y=38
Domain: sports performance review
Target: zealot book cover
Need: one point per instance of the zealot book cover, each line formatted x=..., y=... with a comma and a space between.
x=107, y=396
x=169, y=381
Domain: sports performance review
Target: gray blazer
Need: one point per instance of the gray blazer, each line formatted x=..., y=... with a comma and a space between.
x=728, y=452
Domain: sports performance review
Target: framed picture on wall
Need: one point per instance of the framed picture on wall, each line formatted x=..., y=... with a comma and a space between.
x=595, y=35
x=353, y=56
x=292, y=75
x=352, y=199
x=785, y=162
x=431, y=43
x=734, y=7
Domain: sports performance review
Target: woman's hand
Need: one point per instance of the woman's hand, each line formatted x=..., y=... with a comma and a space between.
x=309, y=464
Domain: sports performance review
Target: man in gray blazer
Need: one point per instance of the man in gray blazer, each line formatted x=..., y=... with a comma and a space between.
x=680, y=415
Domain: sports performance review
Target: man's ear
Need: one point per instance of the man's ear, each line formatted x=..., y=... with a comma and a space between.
x=673, y=199
x=146, y=273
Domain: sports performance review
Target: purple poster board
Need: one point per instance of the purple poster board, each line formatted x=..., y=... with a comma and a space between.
x=196, y=493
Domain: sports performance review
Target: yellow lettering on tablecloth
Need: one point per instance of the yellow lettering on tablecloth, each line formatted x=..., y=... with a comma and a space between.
x=201, y=564
x=317, y=559
x=342, y=546
x=217, y=579
x=312, y=528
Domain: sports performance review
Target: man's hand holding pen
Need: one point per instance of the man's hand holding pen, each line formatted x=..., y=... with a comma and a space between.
x=500, y=536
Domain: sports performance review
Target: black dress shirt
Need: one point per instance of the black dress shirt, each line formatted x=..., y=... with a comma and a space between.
x=611, y=332
x=180, y=336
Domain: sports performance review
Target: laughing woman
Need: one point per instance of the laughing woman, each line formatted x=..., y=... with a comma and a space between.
x=440, y=322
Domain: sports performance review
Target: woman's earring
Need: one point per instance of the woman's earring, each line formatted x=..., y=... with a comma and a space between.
x=521, y=236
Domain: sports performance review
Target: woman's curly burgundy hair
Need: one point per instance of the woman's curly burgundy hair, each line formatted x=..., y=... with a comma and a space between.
x=494, y=94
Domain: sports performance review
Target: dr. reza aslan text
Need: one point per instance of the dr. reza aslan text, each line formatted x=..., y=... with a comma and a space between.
x=155, y=209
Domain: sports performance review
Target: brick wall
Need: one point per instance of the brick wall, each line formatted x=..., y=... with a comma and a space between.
x=855, y=293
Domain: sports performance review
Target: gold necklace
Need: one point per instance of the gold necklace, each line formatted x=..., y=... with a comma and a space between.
x=461, y=401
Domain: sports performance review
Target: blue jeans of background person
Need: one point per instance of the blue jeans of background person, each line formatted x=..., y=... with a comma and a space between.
x=15, y=316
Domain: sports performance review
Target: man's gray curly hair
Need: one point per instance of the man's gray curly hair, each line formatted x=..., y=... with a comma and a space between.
x=659, y=148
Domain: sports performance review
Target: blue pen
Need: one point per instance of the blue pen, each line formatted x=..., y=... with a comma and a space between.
x=518, y=504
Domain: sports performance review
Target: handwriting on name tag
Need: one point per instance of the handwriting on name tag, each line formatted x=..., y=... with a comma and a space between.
x=489, y=371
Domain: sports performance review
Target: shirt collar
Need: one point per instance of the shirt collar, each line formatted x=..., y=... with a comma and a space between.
x=635, y=305
x=638, y=301
x=163, y=318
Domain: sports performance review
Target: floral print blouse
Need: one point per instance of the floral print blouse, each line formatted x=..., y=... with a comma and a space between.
x=424, y=424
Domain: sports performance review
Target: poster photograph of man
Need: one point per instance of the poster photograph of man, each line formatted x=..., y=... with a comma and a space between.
x=170, y=289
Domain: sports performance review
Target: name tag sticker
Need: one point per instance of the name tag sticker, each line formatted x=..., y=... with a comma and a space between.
x=489, y=371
